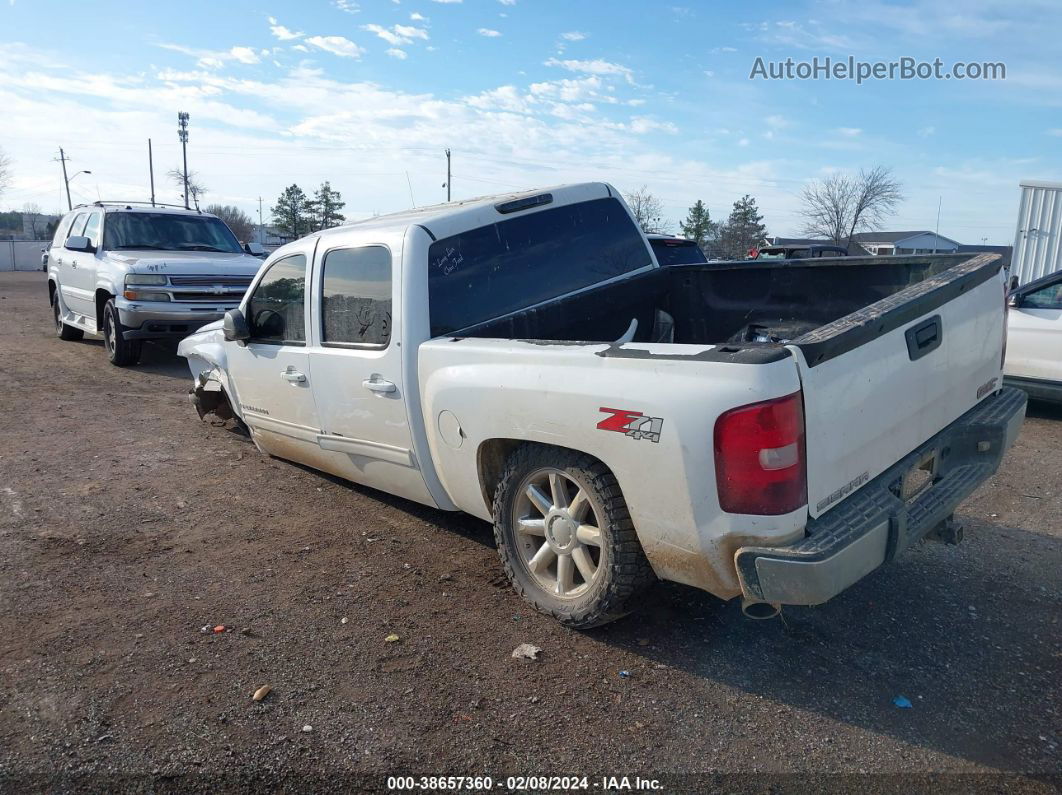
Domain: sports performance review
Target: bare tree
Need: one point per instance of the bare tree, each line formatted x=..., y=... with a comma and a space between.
x=5, y=172
x=841, y=205
x=235, y=218
x=648, y=210
x=31, y=214
x=195, y=187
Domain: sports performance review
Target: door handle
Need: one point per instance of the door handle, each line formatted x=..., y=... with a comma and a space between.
x=73, y=263
x=378, y=385
x=293, y=376
x=58, y=260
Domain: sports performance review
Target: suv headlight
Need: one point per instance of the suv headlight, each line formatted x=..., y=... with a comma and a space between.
x=145, y=278
x=140, y=295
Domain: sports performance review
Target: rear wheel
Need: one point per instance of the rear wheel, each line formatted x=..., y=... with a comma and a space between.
x=120, y=351
x=62, y=330
x=566, y=538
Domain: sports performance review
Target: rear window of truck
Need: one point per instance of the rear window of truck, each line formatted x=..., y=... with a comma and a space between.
x=519, y=262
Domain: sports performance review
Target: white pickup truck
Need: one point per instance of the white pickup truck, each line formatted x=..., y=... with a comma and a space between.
x=772, y=430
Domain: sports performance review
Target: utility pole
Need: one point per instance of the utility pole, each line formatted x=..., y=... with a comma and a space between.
x=447, y=173
x=151, y=171
x=182, y=134
x=261, y=228
x=63, y=159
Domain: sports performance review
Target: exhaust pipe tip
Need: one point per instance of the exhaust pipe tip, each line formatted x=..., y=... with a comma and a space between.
x=759, y=611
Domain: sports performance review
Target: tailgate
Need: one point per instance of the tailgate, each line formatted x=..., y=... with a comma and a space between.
x=880, y=382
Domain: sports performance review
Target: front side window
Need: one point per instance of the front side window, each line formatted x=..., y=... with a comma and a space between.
x=276, y=311
x=169, y=232
x=78, y=227
x=1045, y=298
x=92, y=229
x=356, y=296
x=61, y=231
x=510, y=265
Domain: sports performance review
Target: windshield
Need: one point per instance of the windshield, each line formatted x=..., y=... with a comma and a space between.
x=168, y=232
x=670, y=252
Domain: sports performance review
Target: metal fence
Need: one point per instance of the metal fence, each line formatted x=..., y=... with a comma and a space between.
x=21, y=255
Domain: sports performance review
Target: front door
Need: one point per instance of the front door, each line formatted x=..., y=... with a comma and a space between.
x=1034, y=341
x=76, y=297
x=356, y=365
x=269, y=373
x=83, y=266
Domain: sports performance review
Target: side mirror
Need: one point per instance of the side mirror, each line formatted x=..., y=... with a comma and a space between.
x=254, y=248
x=80, y=243
x=1014, y=300
x=235, y=326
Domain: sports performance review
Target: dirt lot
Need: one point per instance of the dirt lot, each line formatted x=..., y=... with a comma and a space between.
x=127, y=526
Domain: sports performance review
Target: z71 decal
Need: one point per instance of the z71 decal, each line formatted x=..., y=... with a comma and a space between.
x=632, y=423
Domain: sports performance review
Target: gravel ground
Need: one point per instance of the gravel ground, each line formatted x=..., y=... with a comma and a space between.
x=127, y=526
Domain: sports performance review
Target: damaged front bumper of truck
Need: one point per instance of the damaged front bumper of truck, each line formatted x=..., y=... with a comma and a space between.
x=885, y=516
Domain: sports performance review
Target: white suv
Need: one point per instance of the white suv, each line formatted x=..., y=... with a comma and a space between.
x=132, y=272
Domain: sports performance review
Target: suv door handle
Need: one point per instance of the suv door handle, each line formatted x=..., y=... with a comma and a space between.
x=293, y=376
x=58, y=260
x=377, y=384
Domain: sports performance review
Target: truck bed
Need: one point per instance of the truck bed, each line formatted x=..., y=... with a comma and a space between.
x=746, y=307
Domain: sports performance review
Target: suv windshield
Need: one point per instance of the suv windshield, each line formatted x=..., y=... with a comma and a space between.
x=677, y=252
x=168, y=232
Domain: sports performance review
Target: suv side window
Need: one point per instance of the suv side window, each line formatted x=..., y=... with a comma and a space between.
x=78, y=227
x=92, y=229
x=61, y=231
x=356, y=297
x=276, y=311
x=1049, y=297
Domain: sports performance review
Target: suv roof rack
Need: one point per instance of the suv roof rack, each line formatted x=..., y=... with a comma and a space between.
x=145, y=204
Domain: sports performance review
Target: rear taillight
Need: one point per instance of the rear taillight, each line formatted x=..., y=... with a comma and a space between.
x=760, y=465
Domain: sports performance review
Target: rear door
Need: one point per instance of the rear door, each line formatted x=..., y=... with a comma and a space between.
x=270, y=373
x=880, y=382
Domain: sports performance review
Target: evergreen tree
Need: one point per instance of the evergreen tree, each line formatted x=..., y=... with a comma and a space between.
x=743, y=230
x=291, y=214
x=699, y=226
x=325, y=207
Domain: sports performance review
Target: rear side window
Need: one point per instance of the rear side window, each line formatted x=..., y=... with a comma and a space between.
x=668, y=253
x=276, y=311
x=61, y=231
x=356, y=296
x=513, y=264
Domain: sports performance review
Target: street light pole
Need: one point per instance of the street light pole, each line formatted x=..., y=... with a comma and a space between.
x=182, y=134
x=447, y=173
x=62, y=159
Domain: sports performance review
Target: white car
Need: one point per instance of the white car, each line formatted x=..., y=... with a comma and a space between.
x=771, y=430
x=133, y=272
x=1034, y=338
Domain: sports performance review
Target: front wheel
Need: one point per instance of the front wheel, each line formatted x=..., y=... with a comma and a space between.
x=565, y=536
x=120, y=351
x=62, y=330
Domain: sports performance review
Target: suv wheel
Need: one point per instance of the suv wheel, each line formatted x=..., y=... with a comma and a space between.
x=62, y=330
x=566, y=538
x=120, y=351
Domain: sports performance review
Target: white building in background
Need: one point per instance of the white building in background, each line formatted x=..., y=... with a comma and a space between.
x=1038, y=237
x=917, y=242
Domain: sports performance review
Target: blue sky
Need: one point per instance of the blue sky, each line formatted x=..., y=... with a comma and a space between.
x=529, y=93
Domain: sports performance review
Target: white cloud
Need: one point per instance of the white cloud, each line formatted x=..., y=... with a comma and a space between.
x=743, y=142
x=281, y=32
x=398, y=34
x=573, y=35
x=721, y=50
x=300, y=47
x=594, y=67
x=394, y=52
x=777, y=122
x=925, y=132
x=507, y=2
x=849, y=132
x=347, y=6
x=418, y=17
x=643, y=124
x=490, y=33
x=215, y=59
x=337, y=45
x=446, y=2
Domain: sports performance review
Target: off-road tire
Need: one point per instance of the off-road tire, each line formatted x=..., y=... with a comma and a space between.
x=62, y=330
x=626, y=572
x=120, y=351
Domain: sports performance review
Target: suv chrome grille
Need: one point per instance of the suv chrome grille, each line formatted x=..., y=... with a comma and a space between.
x=226, y=281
